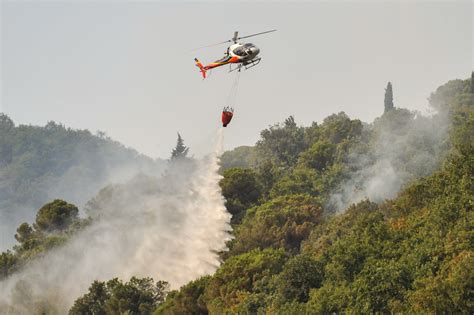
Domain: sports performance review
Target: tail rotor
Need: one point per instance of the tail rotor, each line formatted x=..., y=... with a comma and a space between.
x=201, y=67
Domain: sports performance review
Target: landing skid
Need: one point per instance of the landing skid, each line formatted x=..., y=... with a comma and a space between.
x=246, y=65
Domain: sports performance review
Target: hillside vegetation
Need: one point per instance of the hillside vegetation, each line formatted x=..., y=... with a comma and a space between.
x=337, y=217
x=294, y=252
x=39, y=164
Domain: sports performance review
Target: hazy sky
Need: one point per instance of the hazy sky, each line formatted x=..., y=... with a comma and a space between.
x=125, y=67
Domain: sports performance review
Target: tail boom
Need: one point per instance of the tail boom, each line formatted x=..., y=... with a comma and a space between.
x=221, y=62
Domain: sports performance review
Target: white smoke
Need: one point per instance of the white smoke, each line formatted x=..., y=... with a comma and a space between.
x=92, y=163
x=169, y=229
x=406, y=145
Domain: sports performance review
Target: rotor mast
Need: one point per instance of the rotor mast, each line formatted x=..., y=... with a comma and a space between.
x=236, y=35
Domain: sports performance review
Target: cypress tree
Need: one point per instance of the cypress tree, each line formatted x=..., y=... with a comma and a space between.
x=388, y=101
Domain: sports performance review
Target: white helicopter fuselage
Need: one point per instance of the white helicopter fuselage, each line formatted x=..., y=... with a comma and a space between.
x=245, y=52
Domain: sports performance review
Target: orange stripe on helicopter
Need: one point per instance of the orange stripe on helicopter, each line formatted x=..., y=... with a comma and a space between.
x=212, y=65
x=218, y=64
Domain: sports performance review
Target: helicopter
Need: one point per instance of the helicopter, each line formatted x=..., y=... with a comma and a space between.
x=241, y=54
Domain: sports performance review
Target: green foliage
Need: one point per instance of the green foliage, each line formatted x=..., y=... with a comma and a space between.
x=405, y=255
x=292, y=255
x=240, y=276
x=412, y=254
x=320, y=156
x=8, y=262
x=251, y=303
x=24, y=233
x=241, y=189
x=138, y=296
x=388, y=100
x=55, y=223
x=282, y=143
x=339, y=127
x=450, y=291
x=330, y=299
x=462, y=135
x=379, y=285
x=188, y=300
x=268, y=174
x=299, y=275
x=448, y=94
x=372, y=264
x=281, y=223
x=243, y=157
x=299, y=181
x=93, y=302
x=395, y=121
x=38, y=164
x=304, y=180
x=56, y=215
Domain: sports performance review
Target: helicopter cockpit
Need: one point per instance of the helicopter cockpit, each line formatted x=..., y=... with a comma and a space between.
x=246, y=50
x=240, y=51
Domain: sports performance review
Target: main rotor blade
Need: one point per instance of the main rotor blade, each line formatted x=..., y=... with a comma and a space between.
x=256, y=34
x=227, y=41
x=234, y=39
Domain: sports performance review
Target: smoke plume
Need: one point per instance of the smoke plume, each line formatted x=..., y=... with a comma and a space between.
x=404, y=146
x=168, y=227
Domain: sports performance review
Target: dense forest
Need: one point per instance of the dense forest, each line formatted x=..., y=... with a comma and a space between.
x=341, y=216
x=39, y=164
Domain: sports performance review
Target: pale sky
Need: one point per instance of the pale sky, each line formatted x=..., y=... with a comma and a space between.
x=126, y=67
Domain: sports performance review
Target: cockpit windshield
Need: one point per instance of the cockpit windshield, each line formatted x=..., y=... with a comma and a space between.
x=240, y=51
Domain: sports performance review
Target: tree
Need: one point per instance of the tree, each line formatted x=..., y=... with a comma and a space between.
x=282, y=222
x=24, y=233
x=445, y=95
x=180, y=151
x=138, y=296
x=93, y=302
x=241, y=275
x=56, y=215
x=189, y=299
x=53, y=160
x=6, y=123
x=320, y=156
x=267, y=173
x=299, y=275
x=282, y=143
x=243, y=156
x=388, y=101
x=339, y=127
x=7, y=264
x=240, y=188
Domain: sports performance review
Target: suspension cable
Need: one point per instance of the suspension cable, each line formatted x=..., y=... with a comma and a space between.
x=232, y=97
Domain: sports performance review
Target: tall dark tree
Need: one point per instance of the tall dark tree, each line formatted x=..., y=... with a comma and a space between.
x=388, y=101
x=180, y=151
